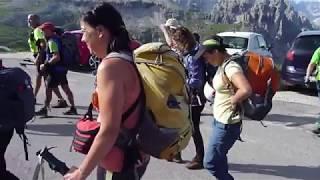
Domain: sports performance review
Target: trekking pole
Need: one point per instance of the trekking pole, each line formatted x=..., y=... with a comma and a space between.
x=27, y=62
x=54, y=163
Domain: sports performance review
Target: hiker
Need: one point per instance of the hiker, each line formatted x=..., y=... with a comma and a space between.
x=210, y=72
x=55, y=70
x=37, y=44
x=227, y=112
x=101, y=173
x=195, y=68
x=315, y=63
x=4, y=142
x=118, y=87
x=196, y=37
x=168, y=29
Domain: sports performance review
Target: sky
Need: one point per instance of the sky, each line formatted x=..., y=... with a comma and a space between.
x=306, y=0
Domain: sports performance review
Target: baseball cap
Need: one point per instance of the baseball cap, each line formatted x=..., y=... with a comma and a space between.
x=172, y=23
x=206, y=45
x=47, y=25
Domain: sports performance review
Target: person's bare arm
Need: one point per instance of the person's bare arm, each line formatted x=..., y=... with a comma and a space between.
x=310, y=69
x=242, y=86
x=41, y=43
x=55, y=58
x=165, y=31
x=111, y=101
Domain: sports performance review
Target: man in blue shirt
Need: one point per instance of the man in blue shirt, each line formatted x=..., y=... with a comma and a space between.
x=55, y=69
x=37, y=44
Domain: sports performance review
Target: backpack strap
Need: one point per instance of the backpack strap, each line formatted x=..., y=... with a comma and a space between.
x=231, y=87
x=127, y=57
x=122, y=55
x=126, y=138
x=24, y=138
x=233, y=59
x=125, y=115
x=225, y=77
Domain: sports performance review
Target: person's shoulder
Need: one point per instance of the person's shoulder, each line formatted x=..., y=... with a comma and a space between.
x=52, y=41
x=115, y=65
x=232, y=68
x=37, y=30
x=53, y=44
x=233, y=63
x=38, y=33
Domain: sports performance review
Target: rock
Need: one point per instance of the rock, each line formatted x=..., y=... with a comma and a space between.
x=310, y=9
x=275, y=19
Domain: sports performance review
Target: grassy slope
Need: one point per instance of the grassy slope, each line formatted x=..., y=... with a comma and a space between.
x=13, y=37
x=16, y=38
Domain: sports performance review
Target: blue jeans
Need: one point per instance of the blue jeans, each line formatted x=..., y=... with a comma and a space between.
x=221, y=141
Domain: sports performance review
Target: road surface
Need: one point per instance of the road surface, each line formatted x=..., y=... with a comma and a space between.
x=285, y=150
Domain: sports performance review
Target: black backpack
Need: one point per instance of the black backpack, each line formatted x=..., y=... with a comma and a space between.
x=17, y=102
x=210, y=73
x=69, y=49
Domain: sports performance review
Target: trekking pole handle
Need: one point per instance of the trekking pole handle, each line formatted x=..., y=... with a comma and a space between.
x=54, y=163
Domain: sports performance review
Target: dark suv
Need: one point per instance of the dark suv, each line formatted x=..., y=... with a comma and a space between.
x=298, y=57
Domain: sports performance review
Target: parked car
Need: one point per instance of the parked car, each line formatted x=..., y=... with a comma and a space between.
x=241, y=41
x=84, y=52
x=85, y=58
x=298, y=57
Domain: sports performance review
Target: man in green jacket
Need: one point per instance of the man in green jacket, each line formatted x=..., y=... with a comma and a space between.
x=315, y=63
x=37, y=44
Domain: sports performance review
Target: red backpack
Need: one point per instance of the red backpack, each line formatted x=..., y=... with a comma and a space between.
x=264, y=80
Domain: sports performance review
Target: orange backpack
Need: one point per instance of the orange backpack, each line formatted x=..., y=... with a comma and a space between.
x=264, y=80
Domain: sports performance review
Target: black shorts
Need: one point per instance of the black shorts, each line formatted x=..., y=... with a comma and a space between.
x=53, y=80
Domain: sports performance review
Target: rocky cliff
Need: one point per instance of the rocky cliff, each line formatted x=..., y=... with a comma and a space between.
x=310, y=9
x=275, y=19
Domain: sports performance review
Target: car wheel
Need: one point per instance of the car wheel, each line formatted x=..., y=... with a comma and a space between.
x=285, y=86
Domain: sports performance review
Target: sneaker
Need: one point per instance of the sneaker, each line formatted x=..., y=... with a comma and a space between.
x=60, y=104
x=42, y=112
x=71, y=111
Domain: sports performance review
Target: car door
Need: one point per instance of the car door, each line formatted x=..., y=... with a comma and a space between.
x=263, y=47
x=254, y=44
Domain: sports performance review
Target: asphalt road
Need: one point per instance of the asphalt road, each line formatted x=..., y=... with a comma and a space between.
x=285, y=150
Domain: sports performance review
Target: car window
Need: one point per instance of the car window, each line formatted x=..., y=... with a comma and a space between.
x=235, y=42
x=255, y=43
x=262, y=42
x=310, y=43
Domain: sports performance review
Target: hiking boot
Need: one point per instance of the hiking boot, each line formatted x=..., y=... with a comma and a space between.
x=71, y=111
x=316, y=131
x=60, y=104
x=195, y=164
x=177, y=159
x=42, y=112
